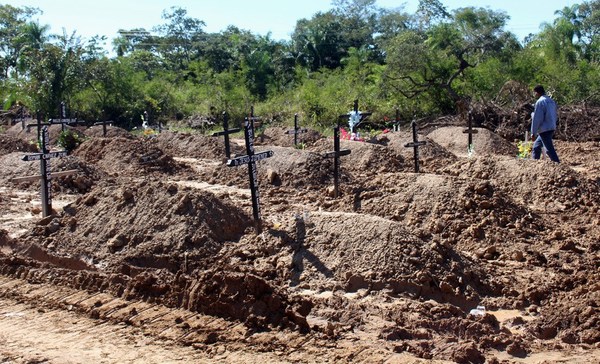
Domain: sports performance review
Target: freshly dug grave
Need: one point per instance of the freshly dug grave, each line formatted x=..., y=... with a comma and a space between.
x=394, y=265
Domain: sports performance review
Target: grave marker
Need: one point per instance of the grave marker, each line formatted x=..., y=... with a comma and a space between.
x=103, y=123
x=336, y=154
x=470, y=131
x=250, y=159
x=226, y=131
x=355, y=117
x=20, y=117
x=397, y=120
x=297, y=130
x=415, y=144
x=39, y=126
x=45, y=173
x=63, y=118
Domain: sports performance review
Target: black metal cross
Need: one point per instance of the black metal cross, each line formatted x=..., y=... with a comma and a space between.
x=39, y=126
x=415, y=144
x=336, y=154
x=63, y=118
x=20, y=117
x=470, y=131
x=297, y=130
x=250, y=159
x=45, y=172
x=226, y=131
x=103, y=123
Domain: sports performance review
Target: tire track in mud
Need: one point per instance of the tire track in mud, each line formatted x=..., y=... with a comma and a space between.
x=47, y=323
x=55, y=324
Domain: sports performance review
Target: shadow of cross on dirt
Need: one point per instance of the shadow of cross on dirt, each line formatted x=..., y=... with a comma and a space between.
x=301, y=253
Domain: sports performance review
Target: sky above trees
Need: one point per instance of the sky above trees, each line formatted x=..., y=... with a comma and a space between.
x=262, y=16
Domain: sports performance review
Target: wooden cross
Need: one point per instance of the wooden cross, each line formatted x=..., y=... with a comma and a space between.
x=45, y=173
x=226, y=131
x=297, y=130
x=415, y=144
x=470, y=131
x=336, y=154
x=250, y=159
x=103, y=123
x=63, y=118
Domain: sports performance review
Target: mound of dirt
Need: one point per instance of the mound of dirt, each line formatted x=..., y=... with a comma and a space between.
x=127, y=157
x=80, y=181
x=470, y=214
x=432, y=156
x=97, y=131
x=9, y=144
x=484, y=142
x=364, y=158
x=284, y=137
x=147, y=224
x=196, y=145
x=354, y=251
x=541, y=185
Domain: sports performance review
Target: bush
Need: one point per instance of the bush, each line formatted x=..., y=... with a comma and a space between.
x=69, y=140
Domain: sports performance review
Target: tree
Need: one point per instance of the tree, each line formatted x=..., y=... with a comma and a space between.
x=54, y=73
x=358, y=19
x=432, y=61
x=318, y=42
x=430, y=12
x=178, y=38
x=389, y=24
x=589, y=31
x=129, y=41
x=14, y=28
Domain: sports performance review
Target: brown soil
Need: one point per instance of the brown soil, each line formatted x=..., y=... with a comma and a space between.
x=151, y=254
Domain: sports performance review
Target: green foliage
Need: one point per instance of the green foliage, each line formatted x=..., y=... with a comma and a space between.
x=420, y=64
x=69, y=140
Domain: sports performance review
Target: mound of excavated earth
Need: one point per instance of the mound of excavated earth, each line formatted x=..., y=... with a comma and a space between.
x=480, y=258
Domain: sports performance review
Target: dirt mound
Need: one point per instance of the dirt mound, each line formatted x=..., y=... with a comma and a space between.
x=196, y=145
x=29, y=134
x=78, y=182
x=127, y=157
x=9, y=144
x=541, y=185
x=470, y=214
x=279, y=136
x=148, y=224
x=432, y=156
x=396, y=264
x=484, y=142
x=97, y=131
x=357, y=251
x=296, y=168
x=365, y=158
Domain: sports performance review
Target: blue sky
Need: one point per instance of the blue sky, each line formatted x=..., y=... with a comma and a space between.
x=106, y=17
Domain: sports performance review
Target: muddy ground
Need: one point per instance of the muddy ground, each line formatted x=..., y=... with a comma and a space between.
x=151, y=254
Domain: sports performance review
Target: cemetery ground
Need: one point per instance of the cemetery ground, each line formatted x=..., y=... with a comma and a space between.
x=150, y=254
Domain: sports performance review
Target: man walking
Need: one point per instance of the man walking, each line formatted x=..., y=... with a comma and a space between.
x=543, y=124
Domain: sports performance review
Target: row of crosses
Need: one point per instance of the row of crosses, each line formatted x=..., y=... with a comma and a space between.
x=251, y=157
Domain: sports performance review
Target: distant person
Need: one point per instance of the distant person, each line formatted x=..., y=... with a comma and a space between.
x=543, y=124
